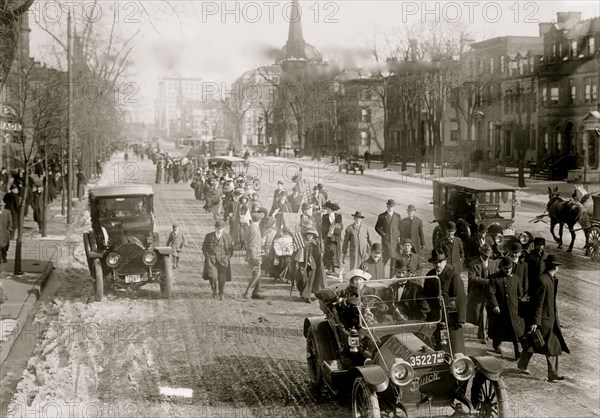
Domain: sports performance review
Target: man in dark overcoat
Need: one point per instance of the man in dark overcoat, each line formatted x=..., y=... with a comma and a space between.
x=388, y=228
x=535, y=265
x=453, y=248
x=544, y=315
x=474, y=243
x=218, y=250
x=411, y=227
x=515, y=251
x=373, y=265
x=503, y=299
x=480, y=271
x=310, y=269
x=413, y=260
x=452, y=289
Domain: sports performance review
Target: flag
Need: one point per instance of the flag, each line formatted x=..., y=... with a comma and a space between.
x=298, y=241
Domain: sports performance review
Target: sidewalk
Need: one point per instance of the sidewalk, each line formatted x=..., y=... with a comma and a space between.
x=37, y=264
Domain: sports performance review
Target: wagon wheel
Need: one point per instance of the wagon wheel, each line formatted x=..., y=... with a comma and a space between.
x=314, y=362
x=594, y=243
x=489, y=397
x=365, y=403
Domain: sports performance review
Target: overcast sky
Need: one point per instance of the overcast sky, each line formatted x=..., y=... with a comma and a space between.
x=218, y=41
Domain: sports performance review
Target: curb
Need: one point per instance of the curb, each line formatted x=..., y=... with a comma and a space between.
x=34, y=295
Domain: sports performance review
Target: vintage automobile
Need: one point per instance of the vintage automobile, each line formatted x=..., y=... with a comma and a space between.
x=353, y=164
x=392, y=354
x=122, y=246
x=472, y=202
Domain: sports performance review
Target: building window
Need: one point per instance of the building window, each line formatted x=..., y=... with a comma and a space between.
x=544, y=95
x=574, y=48
x=546, y=142
x=554, y=95
x=513, y=68
x=502, y=69
x=490, y=133
x=559, y=53
x=573, y=91
x=588, y=89
x=506, y=102
x=365, y=94
x=491, y=64
x=591, y=45
x=507, y=143
x=364, y=138
x=453, y=131
x=531, y=64
x=365, y=115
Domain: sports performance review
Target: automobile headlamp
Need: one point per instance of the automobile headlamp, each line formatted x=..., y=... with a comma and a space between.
x=463, y=368
x=149, y=258
x=113, y=260
x=401, y=373
x=498, y=239
x=525, y=238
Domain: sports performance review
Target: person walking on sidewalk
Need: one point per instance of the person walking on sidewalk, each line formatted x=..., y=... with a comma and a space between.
x=80, y=184
x=11, y=201
x=544, y=316
x=254, y=256
x=217, y=250
x=177, y=242
x=6, y=229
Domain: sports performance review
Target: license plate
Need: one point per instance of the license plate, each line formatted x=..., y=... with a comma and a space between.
x=508, y=232
x=133, y=278
x=427, y=359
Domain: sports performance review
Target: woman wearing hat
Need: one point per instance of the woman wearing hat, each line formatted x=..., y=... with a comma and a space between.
x=331, y=232
x=309, y=272
x=357, y=240
x=503, y=298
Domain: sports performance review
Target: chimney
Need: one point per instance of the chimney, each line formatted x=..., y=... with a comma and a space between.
x=564, y=17
x=544, y=28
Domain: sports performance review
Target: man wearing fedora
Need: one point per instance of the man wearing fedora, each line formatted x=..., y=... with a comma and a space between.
x=453, y=248
x=475, y=242
x=374, y=265
x=357, y=240
x=515, y=251
x=411, y=227
x=453, y=293
x=217, y=250
x=254, y=256
x=503, y=299
x=278, y=190
x=413, y=260
x=544, y=316
x=480, y=271
x=331, y=233
x=388, y=228
x=535, y=265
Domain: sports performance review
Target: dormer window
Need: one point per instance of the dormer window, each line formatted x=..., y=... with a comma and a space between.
x=591, y=45
x=574, y=48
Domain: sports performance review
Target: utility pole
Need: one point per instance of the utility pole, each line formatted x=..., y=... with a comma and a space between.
x=70, y=125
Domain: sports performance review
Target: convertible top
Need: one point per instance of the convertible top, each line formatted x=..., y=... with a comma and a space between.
x=122, y=190
x=477, y=184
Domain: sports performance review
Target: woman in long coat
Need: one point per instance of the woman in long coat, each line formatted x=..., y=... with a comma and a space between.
x=310, y=273
x=505, y=290
x=331, y=233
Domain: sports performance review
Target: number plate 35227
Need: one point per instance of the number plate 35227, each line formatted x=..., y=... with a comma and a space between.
x=427, y=359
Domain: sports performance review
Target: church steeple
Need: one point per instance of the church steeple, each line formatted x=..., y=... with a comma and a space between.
x=295, y=42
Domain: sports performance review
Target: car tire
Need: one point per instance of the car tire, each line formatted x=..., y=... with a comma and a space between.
x=87, y=248
x=98, y=281
x=489, y=397
x=364, y=400
x=166, y=279
x=314, y=361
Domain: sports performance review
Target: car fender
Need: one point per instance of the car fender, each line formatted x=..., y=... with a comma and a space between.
x=488, y=365
x=324, y=336
x=374, y=375
x=163, y=250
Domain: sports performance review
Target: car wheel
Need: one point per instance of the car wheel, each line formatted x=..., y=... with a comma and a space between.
x=166, y=279
x=314, y=361
x=86, y=247
x=98, y=281
x=365, y=403
x=489, y=397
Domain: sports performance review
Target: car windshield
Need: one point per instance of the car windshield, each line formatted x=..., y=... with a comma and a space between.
x=495, y=204
x=123, y=207
x=400, y=302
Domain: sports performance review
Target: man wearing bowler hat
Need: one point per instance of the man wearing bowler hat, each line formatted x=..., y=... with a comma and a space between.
x=412, y=227
x=373, y=264
x=535, y=265
x=412, y=260
x=515, y=251
x=452, y=290
x=357, y=240
x=388, y=228
x=278, y=190
x=217, y=250
x=480, y=271
x=453, y=248
x=475, y=242
x=544, y=316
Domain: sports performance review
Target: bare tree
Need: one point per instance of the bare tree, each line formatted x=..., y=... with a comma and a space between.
x=10, y=22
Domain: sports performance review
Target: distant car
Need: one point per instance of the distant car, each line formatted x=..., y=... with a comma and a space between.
x=122, y=246
x=353, y=164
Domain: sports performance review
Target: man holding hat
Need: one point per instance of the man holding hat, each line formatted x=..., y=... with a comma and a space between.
x=374, y=265
x=356, y=239
x=253, y=243
x=453, y=248
x=452, y=289
x=413, y=260
x=544, y=316
x=217, y=250
x=480, y=271
x=412, y=227
x=475, y=242
x=503, y=299
x=388, y=228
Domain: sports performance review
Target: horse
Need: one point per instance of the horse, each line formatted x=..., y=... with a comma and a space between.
x=567, y=212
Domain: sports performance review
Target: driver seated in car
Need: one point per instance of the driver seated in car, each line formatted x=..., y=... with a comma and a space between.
x=409, y=299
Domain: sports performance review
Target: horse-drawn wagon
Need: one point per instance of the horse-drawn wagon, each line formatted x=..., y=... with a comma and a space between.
x=591, y=203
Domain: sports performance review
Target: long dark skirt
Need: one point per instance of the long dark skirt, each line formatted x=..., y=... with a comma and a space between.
x=331, y=255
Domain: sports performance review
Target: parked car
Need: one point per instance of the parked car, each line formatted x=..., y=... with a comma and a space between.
x=122, y=248
x=395, y=355
x=353, y=164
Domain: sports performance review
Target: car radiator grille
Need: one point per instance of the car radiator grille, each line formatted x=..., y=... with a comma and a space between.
x=131, y=259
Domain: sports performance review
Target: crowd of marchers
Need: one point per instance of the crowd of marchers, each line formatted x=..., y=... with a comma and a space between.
x=301, y=240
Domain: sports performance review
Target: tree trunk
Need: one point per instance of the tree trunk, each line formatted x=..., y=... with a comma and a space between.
x=18, y=269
